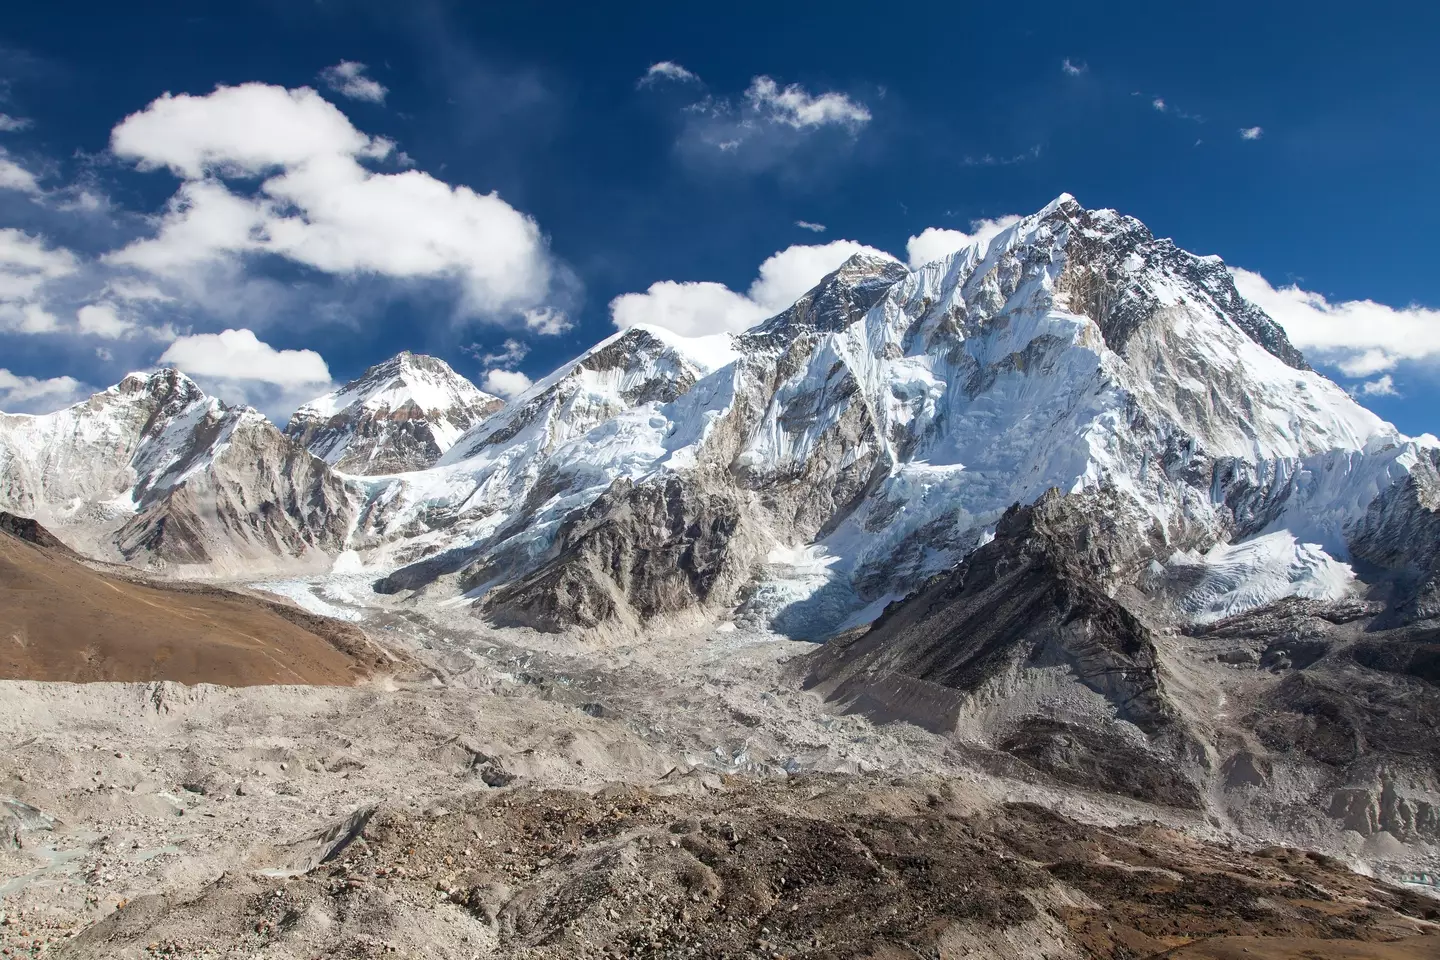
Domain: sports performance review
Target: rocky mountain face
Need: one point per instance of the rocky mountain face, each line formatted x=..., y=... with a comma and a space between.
x=156, y=472
x=400, y=415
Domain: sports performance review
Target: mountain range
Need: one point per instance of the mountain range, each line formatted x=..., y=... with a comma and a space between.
x=1042, y=492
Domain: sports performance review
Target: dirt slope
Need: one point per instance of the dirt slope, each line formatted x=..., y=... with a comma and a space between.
x=61, y=620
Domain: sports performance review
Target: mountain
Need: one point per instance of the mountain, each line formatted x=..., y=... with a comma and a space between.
x=154, y=471
x=64, y=621
x=400, y=415
x=872, y=435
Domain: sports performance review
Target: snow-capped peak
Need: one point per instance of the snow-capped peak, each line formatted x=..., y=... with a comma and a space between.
x=399, y=415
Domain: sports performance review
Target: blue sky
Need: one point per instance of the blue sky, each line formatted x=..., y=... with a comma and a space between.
x=1297, y=141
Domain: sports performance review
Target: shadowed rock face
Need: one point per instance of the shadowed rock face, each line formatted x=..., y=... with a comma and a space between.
x=1024, y=599
x=1400, y=538
x=1354, y=702
x=638, y=552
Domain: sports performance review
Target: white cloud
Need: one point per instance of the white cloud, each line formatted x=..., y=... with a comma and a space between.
x=318, y=204
x=240, y=355
x=103, y=320
x=1251, y=133
x=19, y=394
x=785, y=276
x=9, y=124
x=1158, y=103
x=348, y=79
x=28, y=318
x=505, y=383
x=692, y=309
x=936, y=242
x=667, y=70
x=547, y=321
x=248, y=130
x=1071, y=68
x=1383, y=387
x=15, y=177
x=793, y=106
x=1360, y=337
x=27, y=265
x=701, y=308
x=812, y=227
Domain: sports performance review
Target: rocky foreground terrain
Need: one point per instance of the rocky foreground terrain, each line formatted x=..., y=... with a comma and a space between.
x=522, y=796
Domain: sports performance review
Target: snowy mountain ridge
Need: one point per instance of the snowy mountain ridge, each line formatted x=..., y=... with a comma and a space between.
x=810, y=470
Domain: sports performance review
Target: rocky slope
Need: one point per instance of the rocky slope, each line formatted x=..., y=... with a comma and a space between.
x=156, y=472
x=400, y=415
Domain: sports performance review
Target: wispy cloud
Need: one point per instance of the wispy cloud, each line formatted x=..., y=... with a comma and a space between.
x=9, y=124
x=667, y=70
x=990, y=160
x=1071, y=68
x=812, y=227
x=1383, y=387
x=508, y=355
x=1251, y=133
x=1158, y=103
x=794, y=106
x=766, y=124
x=348, y=79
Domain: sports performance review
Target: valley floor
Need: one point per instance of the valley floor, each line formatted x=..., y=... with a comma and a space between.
x=553, y=796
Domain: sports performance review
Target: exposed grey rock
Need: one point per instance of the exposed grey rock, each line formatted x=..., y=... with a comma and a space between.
x=638, y=552
x=1025, y=599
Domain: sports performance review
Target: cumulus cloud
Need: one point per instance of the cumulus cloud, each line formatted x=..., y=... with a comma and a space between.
x=348, y=79
x=1071, y=68
x=812, y=227
x=318, y=203
x=505, y=383
x=19, y=394
x=240, y=355
x=932, y=243
x=1360, y=337
x=690, y=308
x=667, y=70
x=1382, y=387
x=1251, y=133
x=1158, y=103
x=699, y=308
x=15, y=177
x=239, y=367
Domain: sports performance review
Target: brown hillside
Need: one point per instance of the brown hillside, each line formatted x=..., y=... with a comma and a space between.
x=61, y=620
